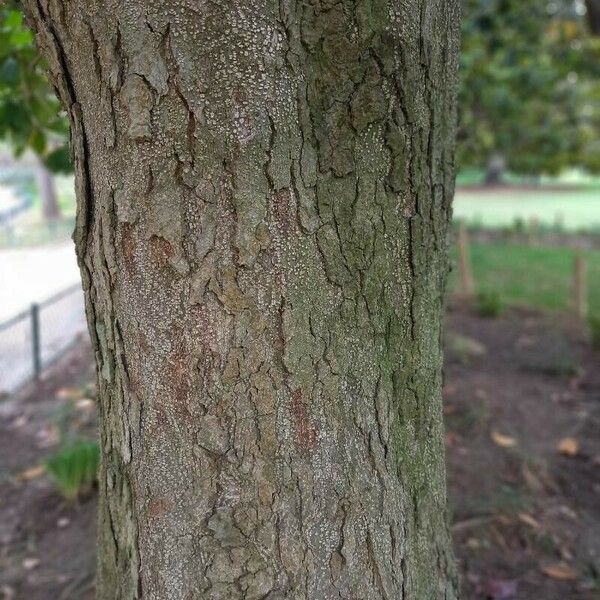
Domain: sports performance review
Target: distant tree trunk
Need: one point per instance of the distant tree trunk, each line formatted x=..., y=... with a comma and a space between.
x=264, y=194
x=47, y=190
x=593, y=13
x=496, y=166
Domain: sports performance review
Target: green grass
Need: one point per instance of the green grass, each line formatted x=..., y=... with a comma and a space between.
x=532, y=276
x=573, y=209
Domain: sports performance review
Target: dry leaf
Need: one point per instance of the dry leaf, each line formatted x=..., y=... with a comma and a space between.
x=32, y=473
x=568, y=446
x=560, y=571
x=30, y=563
x=67, y=393
x=529, y=520
x=504, y=441
x=85, y=404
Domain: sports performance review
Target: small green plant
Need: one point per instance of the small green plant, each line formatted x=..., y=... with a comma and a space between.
x=518, y=225
x=74, y=468
x=594, y=324
x=489, y=303
x=465, y=348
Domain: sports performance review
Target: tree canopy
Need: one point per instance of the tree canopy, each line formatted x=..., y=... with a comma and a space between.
x=530, y=86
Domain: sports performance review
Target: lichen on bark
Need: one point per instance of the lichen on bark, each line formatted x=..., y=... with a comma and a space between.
x=264, y=192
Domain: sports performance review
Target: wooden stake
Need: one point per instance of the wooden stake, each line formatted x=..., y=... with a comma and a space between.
x=534, y=230
x=580, y=294
x=467, y=283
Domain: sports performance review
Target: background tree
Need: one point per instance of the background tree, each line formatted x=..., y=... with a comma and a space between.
x=593, y=11
x=31, y=117
x=530, y=80
x=264, y=196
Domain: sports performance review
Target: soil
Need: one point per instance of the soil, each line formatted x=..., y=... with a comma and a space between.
x=526, y=515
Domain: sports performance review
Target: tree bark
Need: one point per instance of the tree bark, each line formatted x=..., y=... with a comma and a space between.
x=264, y=192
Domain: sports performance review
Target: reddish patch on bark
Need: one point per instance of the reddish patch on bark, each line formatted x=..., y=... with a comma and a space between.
x=238, y=95
x=304, y=428
x=160, y=250
x=178, y=373
x=135, y=367
x=282, y=205
x=128, y=247
x=158, y=507
x=280, y=337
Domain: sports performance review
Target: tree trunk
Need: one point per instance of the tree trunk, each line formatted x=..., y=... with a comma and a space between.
x=494, y=173
x=45, y=181
x=264, y=192
x=593, y=12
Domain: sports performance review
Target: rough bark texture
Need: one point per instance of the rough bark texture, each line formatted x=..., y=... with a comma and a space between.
x=264, y=191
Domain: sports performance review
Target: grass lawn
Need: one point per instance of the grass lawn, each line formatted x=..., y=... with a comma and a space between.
x=574, y=209
x=539, y=277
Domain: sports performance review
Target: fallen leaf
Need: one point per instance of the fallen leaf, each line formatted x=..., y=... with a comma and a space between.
x=529, y=520
x=85, y=404
x=20, y=421
x=67, y=393
x=568, y=446
x=502, y=440
x=30, y=563
x=560, y=572
x=567, y=512
x=565, y=553
x=32, y=473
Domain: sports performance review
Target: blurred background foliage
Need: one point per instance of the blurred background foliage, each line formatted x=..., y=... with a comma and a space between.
x=530, y=88
x=31, y=117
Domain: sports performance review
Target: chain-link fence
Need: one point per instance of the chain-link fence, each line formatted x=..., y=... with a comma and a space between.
x=33, y=339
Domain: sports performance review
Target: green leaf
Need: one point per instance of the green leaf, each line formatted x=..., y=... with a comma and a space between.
x=9, y=71
x=37, y=141
x=59, y=160
x=14, y=19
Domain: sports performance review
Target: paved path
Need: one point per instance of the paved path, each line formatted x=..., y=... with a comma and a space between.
x=33, y=274
x=28, y=276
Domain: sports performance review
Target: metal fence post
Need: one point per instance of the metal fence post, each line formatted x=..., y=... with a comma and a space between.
x=35, y=340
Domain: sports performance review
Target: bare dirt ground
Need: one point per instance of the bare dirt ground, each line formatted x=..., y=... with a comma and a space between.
x=522, y=404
